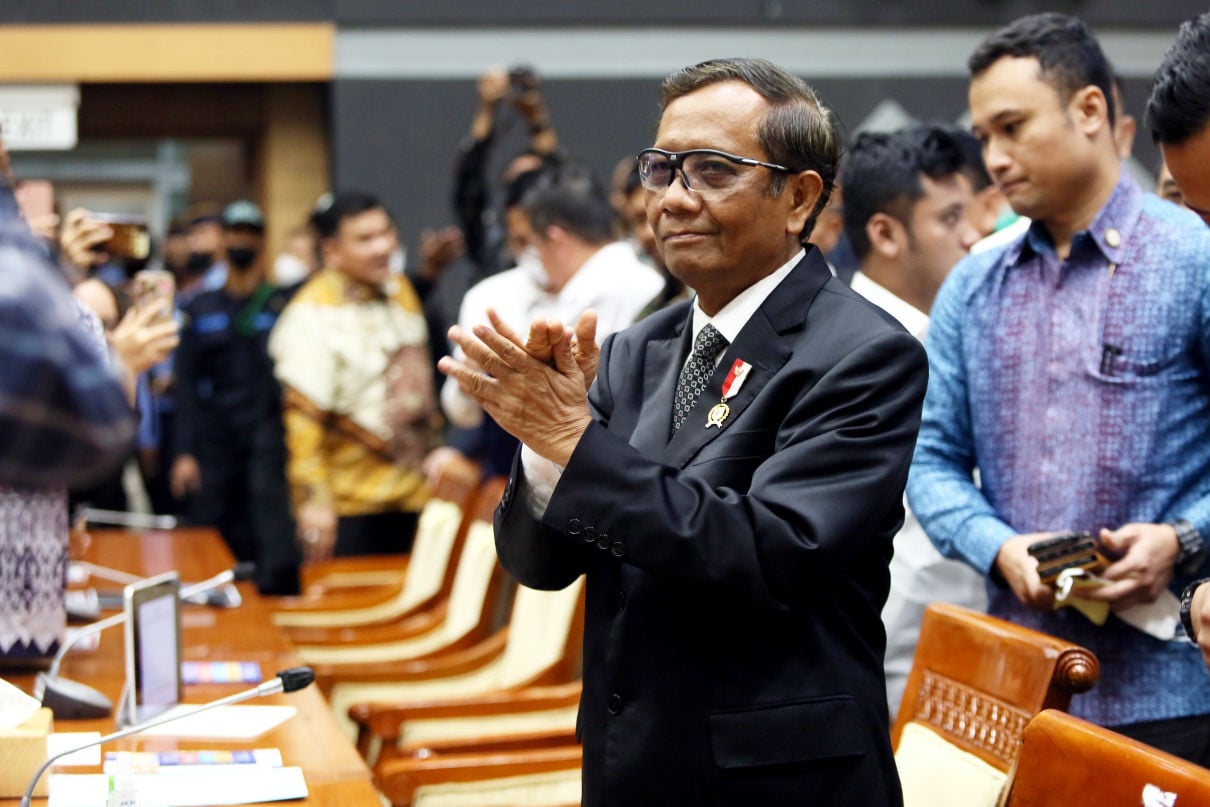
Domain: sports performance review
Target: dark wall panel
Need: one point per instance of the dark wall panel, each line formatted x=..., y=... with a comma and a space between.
x=614, y=12
x=753, y=12
x=126, y=11
x=399, y=138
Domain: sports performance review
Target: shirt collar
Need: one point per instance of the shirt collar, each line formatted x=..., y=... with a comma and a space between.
x=914, y=321
x=1110, y=230
x=732, y=317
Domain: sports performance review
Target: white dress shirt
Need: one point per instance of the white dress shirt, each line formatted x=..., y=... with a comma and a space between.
x=919, y=573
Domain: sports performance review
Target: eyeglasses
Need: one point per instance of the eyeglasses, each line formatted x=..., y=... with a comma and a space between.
x=701, y=170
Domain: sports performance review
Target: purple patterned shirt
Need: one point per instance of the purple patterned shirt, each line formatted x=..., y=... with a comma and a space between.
x=1080, y=389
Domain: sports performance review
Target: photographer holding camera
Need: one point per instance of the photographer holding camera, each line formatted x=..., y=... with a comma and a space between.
x=482, y=224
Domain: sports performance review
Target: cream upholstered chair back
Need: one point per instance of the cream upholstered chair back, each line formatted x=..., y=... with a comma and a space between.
x=472, y=582
x=544, y=634
x=437, y=533
x=976, y=681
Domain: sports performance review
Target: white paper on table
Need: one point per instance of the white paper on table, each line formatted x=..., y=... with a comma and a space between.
x=241, y=722
x=15, y=706
x=235, y=784
x=58, y=742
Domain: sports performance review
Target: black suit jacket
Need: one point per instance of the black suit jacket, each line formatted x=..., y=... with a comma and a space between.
x=733, y=648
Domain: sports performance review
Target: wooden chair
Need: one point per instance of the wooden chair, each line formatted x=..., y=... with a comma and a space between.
x=537, y=777
x=511, y=748
x=1066, y=761
x=428, y=579
x=976, y=681
x=539, y=646
x=472, y=611
x=457, y=481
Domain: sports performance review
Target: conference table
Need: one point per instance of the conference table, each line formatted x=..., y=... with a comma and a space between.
x=335, y=773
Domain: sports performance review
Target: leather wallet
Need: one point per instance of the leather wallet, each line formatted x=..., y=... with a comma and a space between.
x=1068, y=550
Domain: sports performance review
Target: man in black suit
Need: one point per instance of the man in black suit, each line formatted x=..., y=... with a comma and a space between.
x=733, y=482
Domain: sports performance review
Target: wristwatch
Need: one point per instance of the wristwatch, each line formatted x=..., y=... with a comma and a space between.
x=1192, y=550
x=1187, y=606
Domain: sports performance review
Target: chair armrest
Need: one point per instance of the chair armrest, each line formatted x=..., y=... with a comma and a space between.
x=529, y=699
x=489, y=744
x=328, y=674
x=314, y=574
x=399, y=779
x=463, y=661
x=339, y=600
x=407, y=625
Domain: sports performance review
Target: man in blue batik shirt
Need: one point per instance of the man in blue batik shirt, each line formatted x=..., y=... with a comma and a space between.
x=1070, y=367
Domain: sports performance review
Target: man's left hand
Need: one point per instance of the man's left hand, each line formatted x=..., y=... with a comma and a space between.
x=1147, y=554
x=1200, y=613
x=544, y=407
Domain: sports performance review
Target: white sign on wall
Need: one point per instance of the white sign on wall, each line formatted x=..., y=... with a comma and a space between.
x=39, y=118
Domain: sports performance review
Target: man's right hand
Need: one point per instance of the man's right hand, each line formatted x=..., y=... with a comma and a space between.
x=1020, y=570
x=80, y=236
x=186, y=476
x=493, y=86
x=544, y=335
x=316, y=530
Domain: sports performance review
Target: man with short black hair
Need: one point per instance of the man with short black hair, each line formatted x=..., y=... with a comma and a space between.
x=1178, y=114
x=905, y=214
x=732, y=484
x=1069, y=367
x=352, y=352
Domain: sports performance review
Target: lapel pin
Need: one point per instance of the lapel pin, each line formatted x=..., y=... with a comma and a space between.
x=735, y=379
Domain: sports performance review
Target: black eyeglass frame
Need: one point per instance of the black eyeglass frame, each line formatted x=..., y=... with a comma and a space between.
x=677, y=158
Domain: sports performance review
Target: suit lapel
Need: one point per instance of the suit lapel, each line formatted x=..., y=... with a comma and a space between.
x=661, y=366
x=762, y=343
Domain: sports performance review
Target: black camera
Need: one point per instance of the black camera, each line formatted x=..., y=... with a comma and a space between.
x=522, y=78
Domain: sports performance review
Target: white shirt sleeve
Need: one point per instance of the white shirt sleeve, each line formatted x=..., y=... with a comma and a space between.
x=462, y=410
x=541, y=478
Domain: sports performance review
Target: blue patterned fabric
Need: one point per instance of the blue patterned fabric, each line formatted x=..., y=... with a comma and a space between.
x=63, y=415
x=1080, y=389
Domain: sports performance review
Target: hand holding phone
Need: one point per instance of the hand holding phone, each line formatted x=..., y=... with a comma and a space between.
x=129, y=236
x=151, y=286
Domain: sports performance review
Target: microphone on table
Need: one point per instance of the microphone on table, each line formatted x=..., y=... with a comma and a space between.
x=122, y=518
x=291, y=680
x=70, y=699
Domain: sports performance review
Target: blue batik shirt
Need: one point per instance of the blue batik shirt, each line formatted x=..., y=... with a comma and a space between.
x=1080, y=389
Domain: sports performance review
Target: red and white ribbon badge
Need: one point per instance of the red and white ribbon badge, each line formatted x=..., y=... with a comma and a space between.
x=735, y=378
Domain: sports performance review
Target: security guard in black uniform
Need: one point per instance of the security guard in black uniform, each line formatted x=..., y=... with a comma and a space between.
x=230, y=464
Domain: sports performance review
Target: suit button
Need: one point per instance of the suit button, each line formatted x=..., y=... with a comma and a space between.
x=574, y=527
x=590, y=535
x=615, y=704
x=621, y=601
x=603, y=541
x=617, y=549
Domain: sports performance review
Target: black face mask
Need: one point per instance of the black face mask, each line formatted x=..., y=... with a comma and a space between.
x=241, y=258
x=198, y=262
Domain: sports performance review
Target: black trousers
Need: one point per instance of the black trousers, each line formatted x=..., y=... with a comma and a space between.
x=375, y=534
x=247, y=500
x=1184, y=737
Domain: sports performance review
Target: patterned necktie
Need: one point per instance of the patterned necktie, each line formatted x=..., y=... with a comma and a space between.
x=696, y=374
